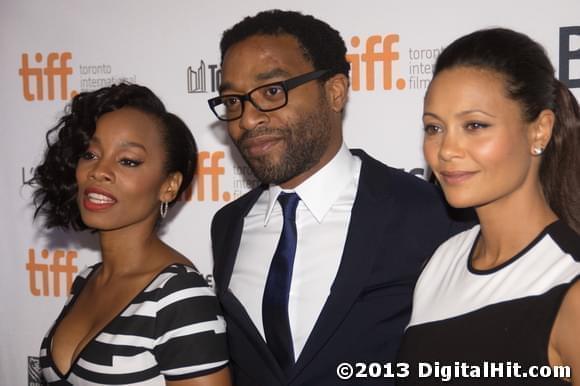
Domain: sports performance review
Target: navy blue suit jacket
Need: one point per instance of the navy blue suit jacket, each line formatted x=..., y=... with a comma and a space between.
x=397, y=221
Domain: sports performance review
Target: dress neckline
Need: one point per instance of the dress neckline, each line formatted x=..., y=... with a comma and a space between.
x=512, y=259
x=69, y=306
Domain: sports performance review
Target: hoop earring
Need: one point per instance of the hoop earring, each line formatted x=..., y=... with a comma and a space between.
x=163, y=208
x=537, y=150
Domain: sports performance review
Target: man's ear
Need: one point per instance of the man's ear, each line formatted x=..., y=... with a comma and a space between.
x=336, y=89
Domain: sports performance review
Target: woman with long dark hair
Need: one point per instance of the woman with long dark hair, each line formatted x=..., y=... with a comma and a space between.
x=115, y=163
x=502, y=135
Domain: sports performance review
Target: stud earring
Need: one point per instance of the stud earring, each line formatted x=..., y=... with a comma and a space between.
x=537, y=150
x=163, y=209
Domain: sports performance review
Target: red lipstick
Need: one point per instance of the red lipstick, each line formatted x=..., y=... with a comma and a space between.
x=95, y=199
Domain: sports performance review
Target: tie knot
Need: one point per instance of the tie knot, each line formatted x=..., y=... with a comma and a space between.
x=289, y=202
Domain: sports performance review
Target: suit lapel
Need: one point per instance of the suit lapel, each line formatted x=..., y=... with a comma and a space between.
x=355, y=267
x=238, y=315
x=231, y=240
x=232, y=306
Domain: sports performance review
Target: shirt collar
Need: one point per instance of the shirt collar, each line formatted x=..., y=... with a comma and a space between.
x=321, y=190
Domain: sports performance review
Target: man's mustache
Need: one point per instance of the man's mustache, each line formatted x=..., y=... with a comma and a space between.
x=249, y=134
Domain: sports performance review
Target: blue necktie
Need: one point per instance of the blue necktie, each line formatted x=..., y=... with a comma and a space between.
x=277, y=290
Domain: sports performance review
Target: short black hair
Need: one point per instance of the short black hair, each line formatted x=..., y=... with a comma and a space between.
x=54, y=178
x=322, y=45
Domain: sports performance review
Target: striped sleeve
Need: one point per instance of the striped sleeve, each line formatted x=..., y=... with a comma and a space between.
x=190, y=337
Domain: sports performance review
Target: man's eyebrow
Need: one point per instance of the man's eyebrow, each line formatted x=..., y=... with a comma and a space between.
x=224, y=86
x=263, y=76
x=276, y=72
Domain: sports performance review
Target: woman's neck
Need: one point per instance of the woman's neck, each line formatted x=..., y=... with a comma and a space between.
x=508, y=225
x=128, y=250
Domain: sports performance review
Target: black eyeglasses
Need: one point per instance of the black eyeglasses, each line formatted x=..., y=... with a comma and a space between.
x=269, y=97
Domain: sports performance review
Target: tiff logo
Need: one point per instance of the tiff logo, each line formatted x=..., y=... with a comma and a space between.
x=35, y=78
x=568, y=55
x=213, y=170
x=196, y=79
x=371, y=55
x=53, y=268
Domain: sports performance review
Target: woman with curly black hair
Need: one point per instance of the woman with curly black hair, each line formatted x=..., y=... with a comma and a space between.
x=144, y=315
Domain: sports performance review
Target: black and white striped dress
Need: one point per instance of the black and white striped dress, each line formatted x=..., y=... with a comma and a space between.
x=172, y=330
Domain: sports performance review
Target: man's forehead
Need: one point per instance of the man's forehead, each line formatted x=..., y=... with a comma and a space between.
x=284, y=49
x=262, y=58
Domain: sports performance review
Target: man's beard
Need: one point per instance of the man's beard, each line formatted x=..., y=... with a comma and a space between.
x=305, y=142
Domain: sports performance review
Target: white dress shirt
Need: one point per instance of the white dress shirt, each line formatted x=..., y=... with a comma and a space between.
x=322, y=219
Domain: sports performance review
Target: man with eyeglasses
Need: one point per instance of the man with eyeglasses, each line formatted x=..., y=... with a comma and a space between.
x=316, y=266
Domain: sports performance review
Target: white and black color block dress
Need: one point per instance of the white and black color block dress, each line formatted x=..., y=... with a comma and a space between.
x=505, y=314
x=171, y=330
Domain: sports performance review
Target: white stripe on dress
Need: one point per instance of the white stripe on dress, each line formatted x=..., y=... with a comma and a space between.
x=150, y=308
x=125, y=340
x=121, y=364
x=188, y=369
x=218, y=326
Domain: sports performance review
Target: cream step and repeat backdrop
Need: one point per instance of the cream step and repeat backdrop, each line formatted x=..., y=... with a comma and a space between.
x=53, y=49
